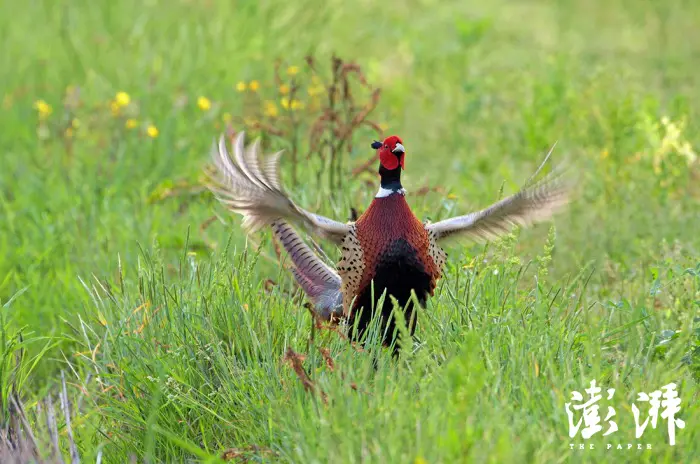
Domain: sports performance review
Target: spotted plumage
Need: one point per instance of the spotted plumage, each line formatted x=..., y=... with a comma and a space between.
x=351, y=267
x=386, y=249
x=435, y=251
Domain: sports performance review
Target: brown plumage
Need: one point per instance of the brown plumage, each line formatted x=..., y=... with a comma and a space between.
x=386, y=221
x=387, y=249
x=393, y=253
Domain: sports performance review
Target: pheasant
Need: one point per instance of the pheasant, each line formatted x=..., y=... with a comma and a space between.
x=386, y=249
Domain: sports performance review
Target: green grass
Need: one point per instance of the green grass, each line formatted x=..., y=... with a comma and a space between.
x=104, y=276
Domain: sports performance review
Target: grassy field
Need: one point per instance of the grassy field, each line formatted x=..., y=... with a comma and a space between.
x=173, y=330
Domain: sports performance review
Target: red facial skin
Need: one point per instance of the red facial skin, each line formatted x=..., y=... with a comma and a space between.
x=389, y=160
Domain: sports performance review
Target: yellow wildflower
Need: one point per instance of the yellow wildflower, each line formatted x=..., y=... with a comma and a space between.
x=114, y=106
x=43, y=108
x=604, y=154
x=451, y=196
x=122, y=99
x=270, y=109
x=254, y=86
x=285, y=103
x=226, y=117
x=69, y=132
x=152, y=131
x=284, y=89
x=131, y=123
x=293, y=70
x=204, y=103
x=296, y=105
x=241, y=86
x=75, y=123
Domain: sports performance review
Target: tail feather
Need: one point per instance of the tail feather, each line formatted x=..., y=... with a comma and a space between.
x=327, y=302
x=320, y=283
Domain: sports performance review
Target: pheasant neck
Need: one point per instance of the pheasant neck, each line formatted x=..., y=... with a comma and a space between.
x=390, y=182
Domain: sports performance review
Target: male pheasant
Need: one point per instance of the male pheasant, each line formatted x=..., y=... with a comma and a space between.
x=386, y=249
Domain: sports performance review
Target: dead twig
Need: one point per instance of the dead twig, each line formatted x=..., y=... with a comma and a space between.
x=295, y=360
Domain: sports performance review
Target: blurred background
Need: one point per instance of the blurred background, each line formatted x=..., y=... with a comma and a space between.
x=109, y=110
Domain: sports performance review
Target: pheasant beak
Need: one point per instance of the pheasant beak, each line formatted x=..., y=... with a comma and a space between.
x=398, y=149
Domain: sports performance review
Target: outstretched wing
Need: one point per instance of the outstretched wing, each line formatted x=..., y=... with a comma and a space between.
x=534, y=203
x=250, y=186
x=320, y=283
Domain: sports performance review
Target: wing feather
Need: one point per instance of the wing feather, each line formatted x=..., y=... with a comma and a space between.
x=251, y=188
x=536, y=202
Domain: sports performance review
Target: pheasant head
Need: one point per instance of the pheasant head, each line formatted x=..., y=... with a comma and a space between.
x=391, y=153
